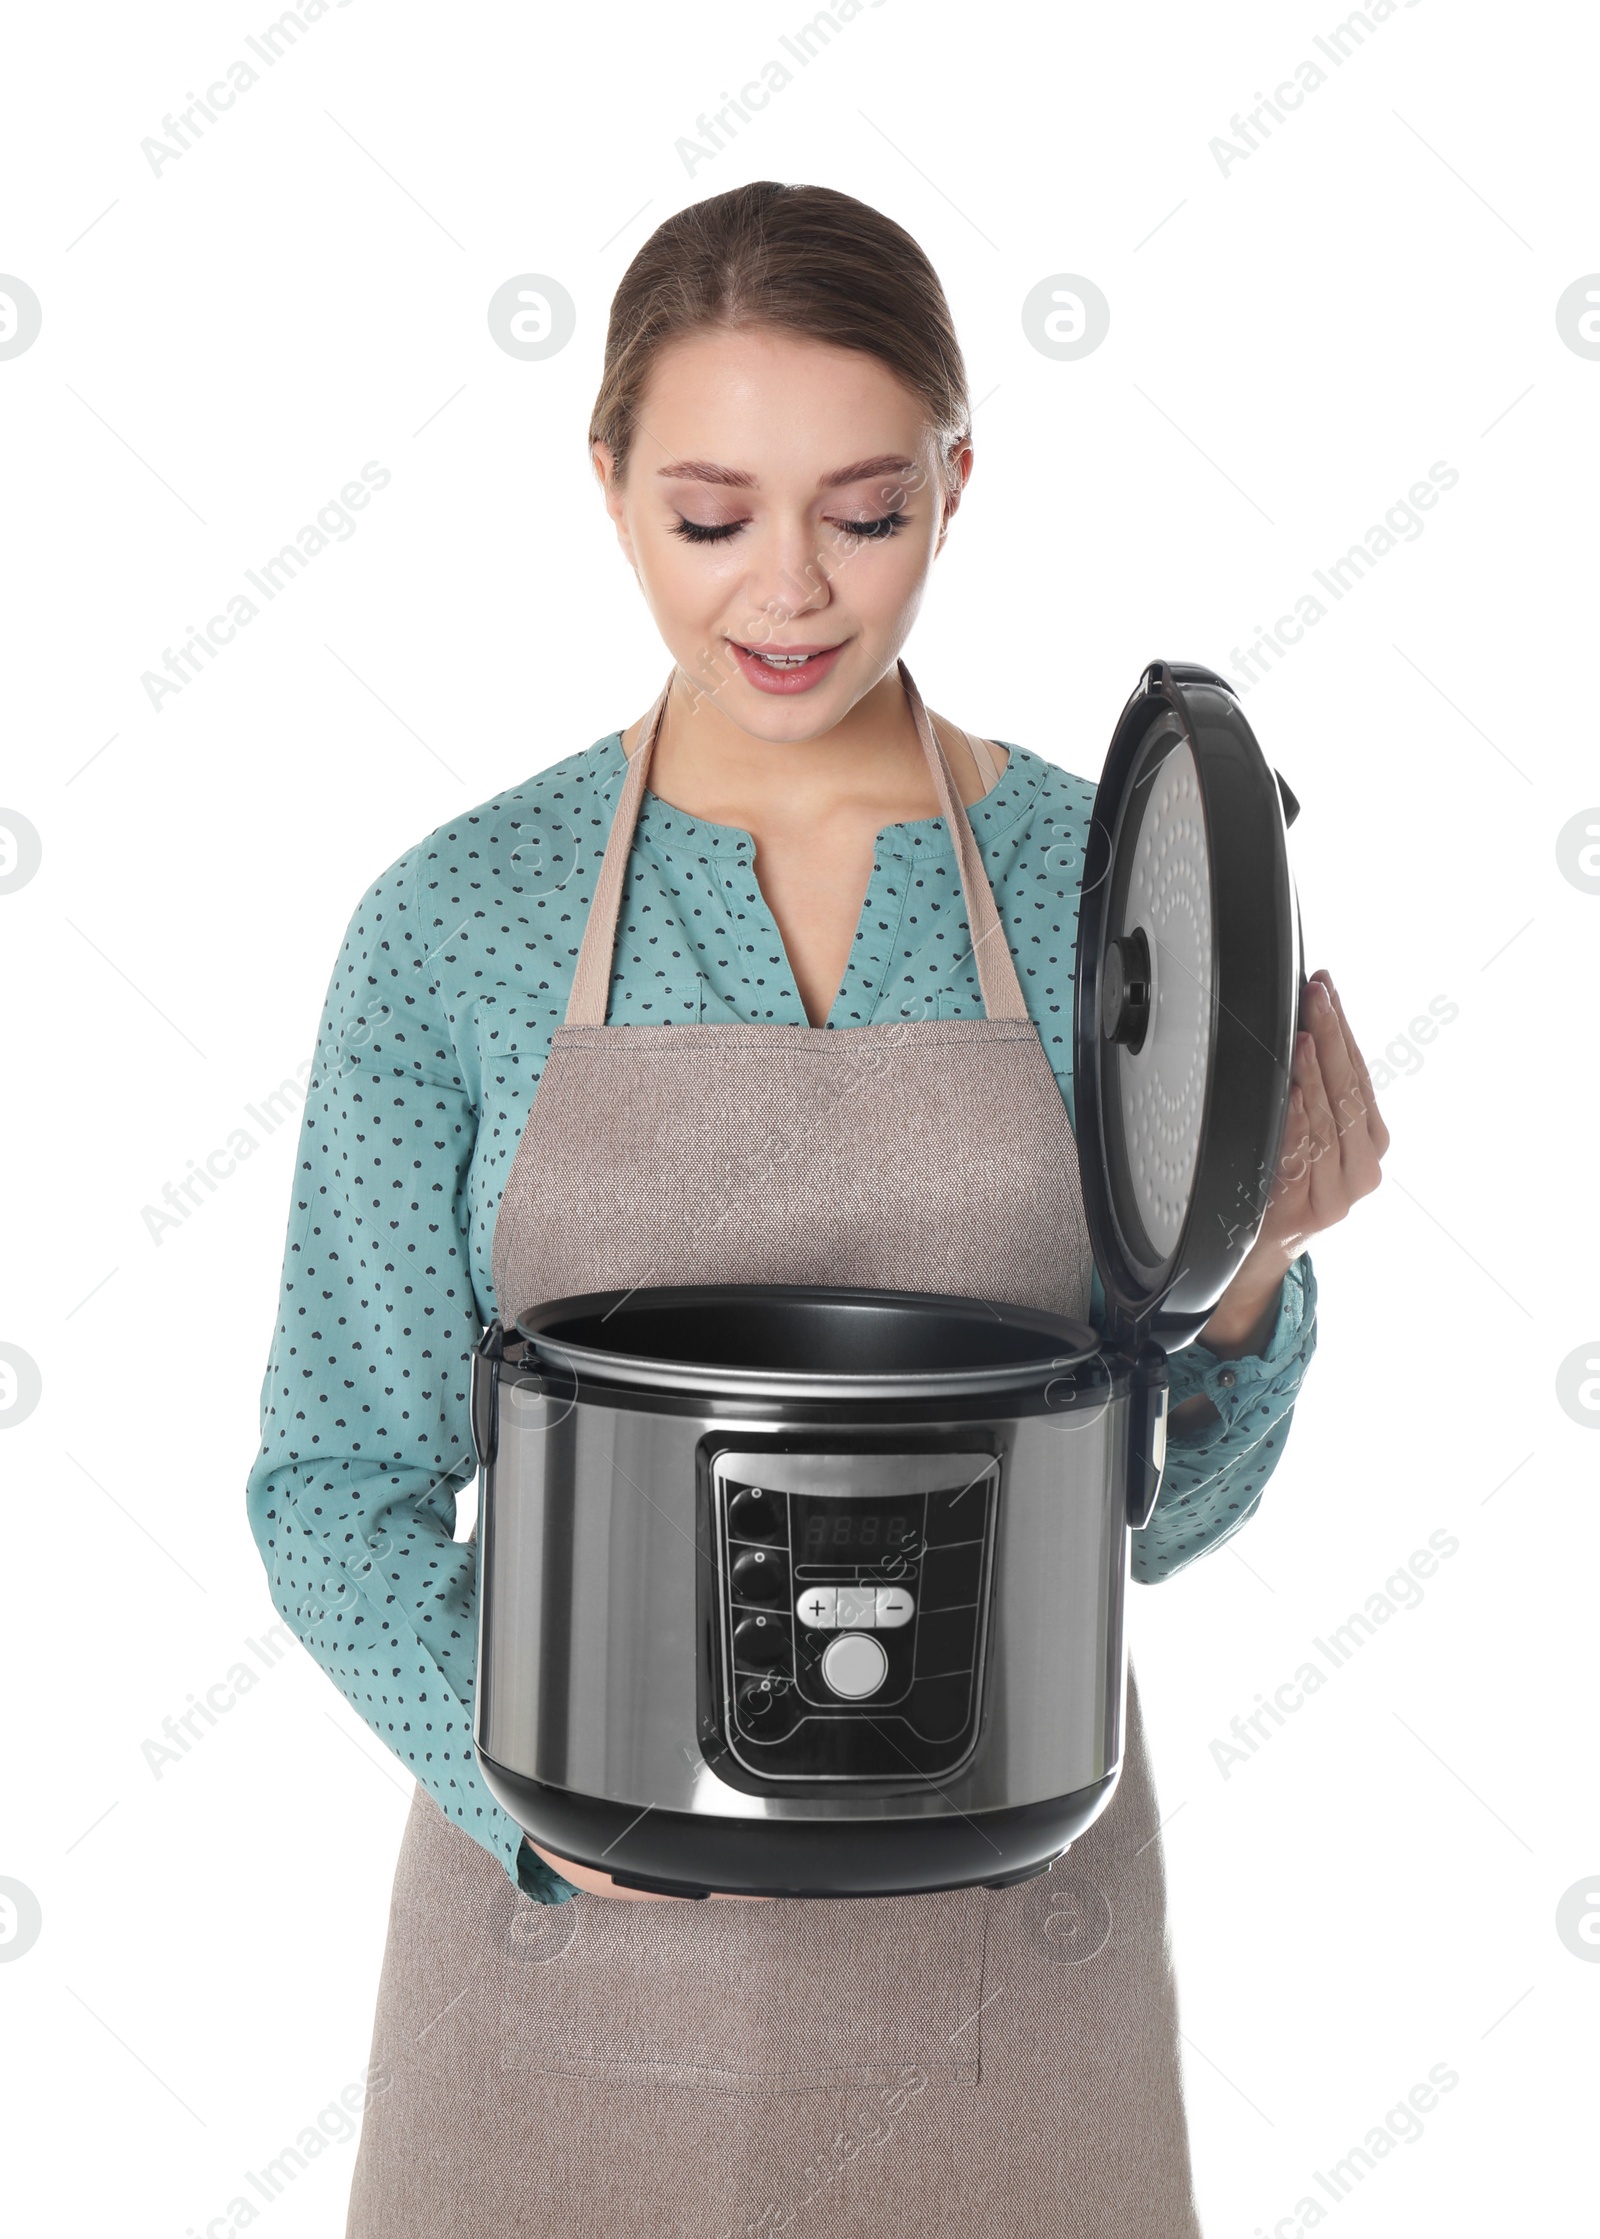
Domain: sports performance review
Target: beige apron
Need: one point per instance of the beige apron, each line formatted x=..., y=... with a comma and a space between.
x=993, y=2061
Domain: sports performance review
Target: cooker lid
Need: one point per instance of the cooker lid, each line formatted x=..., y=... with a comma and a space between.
x=1187, y=995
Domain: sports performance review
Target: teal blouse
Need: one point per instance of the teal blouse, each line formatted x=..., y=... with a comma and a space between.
x=454, y=974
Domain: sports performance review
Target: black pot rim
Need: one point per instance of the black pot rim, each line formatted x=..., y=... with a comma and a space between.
x=1061, y=1343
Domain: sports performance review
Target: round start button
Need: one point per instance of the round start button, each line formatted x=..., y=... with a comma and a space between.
x=854, y=1664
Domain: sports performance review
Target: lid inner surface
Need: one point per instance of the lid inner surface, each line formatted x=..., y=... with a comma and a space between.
x=1160, y=1088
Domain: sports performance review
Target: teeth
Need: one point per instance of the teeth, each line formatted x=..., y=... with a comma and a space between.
x=783, y=660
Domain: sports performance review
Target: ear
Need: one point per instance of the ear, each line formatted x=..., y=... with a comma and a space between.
x=604, y=463
x=955, y=484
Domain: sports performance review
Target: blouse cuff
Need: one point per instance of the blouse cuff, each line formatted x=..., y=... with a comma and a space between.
x=1216, y=1472
x=1238, y=1388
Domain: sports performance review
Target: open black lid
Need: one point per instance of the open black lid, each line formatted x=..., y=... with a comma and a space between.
x=1188, y=985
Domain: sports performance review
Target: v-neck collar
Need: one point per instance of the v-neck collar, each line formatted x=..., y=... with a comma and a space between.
x=672, y=832
x=676, y=831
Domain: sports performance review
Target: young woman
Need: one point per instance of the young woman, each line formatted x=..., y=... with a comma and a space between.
x=787, y=853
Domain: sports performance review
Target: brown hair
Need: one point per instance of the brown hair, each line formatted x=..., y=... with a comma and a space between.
x=804, y=258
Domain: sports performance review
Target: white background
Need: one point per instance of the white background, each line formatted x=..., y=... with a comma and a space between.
x=1292, y=345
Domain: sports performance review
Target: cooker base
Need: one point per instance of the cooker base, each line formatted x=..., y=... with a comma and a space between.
x=693, y=1854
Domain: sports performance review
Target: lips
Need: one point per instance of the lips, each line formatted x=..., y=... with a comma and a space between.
x=785, y=668
x=784, y=655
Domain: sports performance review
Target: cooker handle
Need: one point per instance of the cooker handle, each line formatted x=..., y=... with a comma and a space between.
x=487, y=1354
x=1147, y=1433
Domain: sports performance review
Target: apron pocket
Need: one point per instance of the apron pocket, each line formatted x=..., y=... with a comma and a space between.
x=792, y=1994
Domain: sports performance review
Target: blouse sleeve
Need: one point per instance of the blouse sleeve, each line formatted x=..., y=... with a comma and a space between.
x=1215, y=1474
x=365, y=1420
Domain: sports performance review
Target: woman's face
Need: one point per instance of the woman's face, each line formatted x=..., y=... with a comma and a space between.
x=782, y=495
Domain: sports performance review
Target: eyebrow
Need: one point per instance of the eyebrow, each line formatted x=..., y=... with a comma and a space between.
x=706, y=470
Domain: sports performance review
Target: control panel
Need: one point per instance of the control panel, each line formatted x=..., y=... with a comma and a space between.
x=853, y=1593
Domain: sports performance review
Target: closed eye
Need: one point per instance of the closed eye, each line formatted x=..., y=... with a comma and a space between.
x=703, y=532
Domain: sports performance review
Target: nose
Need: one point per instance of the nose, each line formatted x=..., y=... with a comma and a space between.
x=791, y=569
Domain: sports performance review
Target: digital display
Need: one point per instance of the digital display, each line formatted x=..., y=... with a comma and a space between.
x=856, y=1531
x=845, y=1533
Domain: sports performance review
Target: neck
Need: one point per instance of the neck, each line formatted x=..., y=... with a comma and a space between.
x=707, y=765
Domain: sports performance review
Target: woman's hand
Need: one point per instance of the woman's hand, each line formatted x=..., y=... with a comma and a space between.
x=1333, y=1140
x=602, y=1885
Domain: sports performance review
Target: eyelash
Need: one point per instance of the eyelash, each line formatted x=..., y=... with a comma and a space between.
x=874, y=532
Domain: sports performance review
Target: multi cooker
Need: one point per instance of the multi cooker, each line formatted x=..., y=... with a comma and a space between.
x=809, y=1590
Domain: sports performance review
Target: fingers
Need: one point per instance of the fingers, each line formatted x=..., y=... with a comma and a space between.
x=591, y=1881
x=1367, y=1138
x=1377, y=1132
x=1288, y=1205
x=1333, y=1133
x=1336, y=1062
x=598, y=1884
x=1335, y=1059
x=1329, y=1199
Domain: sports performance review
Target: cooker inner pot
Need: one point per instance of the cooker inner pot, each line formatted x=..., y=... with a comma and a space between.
x=788, y=1330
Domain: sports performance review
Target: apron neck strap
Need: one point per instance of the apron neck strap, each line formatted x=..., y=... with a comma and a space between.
x=997, y=974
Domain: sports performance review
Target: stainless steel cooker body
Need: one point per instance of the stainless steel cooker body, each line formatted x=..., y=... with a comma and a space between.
x=842, y=1635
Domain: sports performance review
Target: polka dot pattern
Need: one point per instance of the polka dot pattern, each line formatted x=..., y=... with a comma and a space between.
x=454, y=974
x=1215, y=1475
